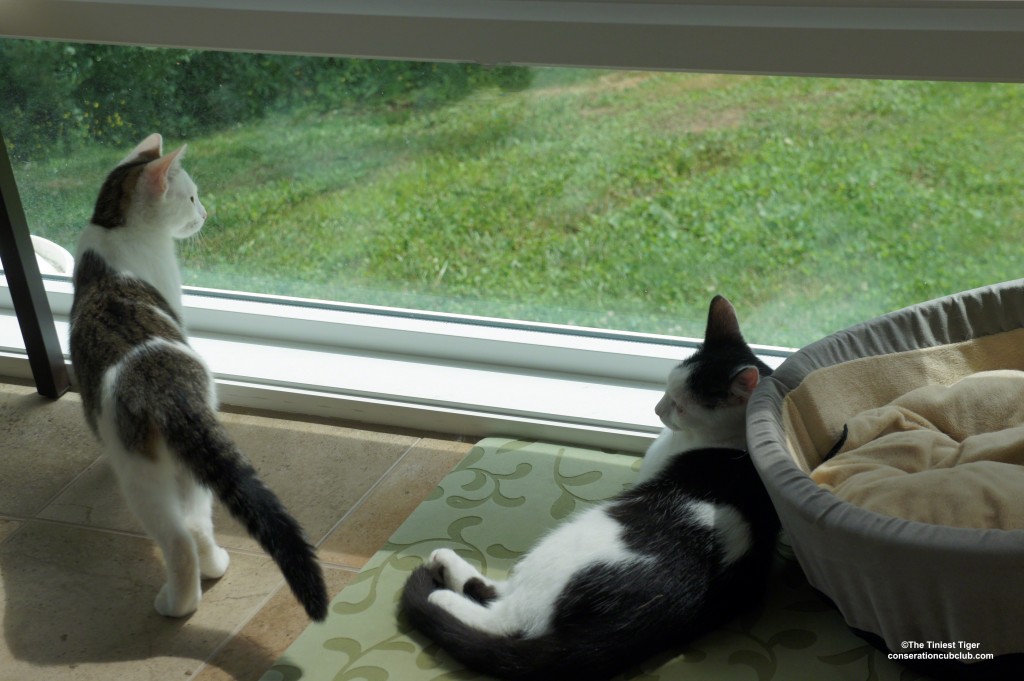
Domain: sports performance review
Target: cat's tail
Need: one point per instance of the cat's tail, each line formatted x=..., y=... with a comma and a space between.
x=213, y=458
x=512, y=658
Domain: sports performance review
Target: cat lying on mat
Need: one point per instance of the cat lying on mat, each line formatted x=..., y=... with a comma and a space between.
x=681, y=552
x=151, y=399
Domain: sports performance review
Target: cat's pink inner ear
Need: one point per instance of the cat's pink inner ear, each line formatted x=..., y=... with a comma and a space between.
x=744, y=382
x=156, y=172
x=149, y=149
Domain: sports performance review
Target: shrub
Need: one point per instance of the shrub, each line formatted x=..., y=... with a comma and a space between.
x=53, y=95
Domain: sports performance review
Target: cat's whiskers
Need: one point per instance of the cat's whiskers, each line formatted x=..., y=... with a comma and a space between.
x=195, y=242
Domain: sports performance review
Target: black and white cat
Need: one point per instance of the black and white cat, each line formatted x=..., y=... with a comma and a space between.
x=151, y=399
x=679, y=553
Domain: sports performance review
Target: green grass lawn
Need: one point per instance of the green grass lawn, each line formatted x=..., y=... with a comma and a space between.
x=610, y=199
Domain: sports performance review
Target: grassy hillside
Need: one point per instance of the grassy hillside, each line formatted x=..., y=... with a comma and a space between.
x=610, y=199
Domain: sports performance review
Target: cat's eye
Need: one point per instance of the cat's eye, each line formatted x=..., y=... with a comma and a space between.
x=192, y=199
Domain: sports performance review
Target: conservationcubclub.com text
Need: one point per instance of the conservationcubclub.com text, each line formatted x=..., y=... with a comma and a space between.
x=965, y=651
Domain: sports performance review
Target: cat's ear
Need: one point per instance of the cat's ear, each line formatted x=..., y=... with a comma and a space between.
x=156, y=173
x=743, y=383
x=148, y=149
x=722, y=322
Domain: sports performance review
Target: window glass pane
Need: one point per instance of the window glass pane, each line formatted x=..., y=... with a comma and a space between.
x=607, y=199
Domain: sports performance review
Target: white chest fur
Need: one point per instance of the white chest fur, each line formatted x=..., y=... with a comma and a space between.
x=148, y=256
x=671, y=442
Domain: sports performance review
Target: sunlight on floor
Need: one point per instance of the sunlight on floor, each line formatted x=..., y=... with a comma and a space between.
x=78, y=577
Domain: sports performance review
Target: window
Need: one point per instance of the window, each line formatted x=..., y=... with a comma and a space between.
x=521, y=197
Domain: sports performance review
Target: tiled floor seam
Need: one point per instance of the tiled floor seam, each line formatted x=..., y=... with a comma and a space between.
x=253, y=615
x=238, y=629
x=78, y=476
x=13, y=533
x=86, y=528
x=366, y=495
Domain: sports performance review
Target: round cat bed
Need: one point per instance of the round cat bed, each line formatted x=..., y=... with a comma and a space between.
x=919, y=586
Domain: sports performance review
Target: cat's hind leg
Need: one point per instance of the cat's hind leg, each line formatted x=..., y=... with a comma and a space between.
x=181, y=594
x=197, y=502
x=450, y=569
x=158, y=508
x=149, y=482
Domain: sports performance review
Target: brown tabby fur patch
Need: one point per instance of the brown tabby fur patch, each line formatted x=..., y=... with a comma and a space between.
x=116, y=193
x=111, y=316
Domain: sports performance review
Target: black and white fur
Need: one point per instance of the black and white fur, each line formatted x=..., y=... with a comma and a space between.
x=682, y=551
x=151, y=399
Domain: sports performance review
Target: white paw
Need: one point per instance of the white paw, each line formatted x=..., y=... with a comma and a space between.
x=451, y=570
x=170, y=604
x=446, y=599
x=443, y=557
x=214, y=564
x=440, y=564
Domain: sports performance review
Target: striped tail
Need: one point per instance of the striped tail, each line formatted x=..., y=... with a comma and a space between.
x=206, y=450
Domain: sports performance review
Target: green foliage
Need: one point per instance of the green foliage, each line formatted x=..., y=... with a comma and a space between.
x=65, y=94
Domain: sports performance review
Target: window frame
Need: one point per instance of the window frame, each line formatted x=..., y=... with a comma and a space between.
x=596, y=374
x=908, y=39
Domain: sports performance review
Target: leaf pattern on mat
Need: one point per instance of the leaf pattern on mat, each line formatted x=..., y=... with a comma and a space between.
x=847, y=657
x=284, y=672
x=396, y=561
x=479, y=481
x=565, y=504
x=348, y=646
x=794, y=639
x=366, y=673
x=763, y=665
x=472, y=458
x=765, y=661
x=457, y=528
x=514, y=445
x=355, y=652
x=499, y=551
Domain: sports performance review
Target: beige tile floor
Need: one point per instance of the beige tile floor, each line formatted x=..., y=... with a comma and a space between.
x=78, y=577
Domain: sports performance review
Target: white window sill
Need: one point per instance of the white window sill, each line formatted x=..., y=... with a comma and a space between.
x=449, y=377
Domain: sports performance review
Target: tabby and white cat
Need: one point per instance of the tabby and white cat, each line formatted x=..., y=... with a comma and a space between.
x=682, y=551
x=151, y=399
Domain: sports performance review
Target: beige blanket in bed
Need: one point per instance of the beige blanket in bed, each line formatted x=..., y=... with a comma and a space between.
x=948, y=455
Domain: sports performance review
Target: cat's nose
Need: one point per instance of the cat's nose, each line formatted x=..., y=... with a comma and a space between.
x=663, y=407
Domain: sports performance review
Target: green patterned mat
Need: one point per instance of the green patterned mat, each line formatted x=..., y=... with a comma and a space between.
x=492, y=508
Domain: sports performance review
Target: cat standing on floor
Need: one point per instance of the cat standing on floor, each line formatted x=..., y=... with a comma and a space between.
x=681, y=552
x=151, y=399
